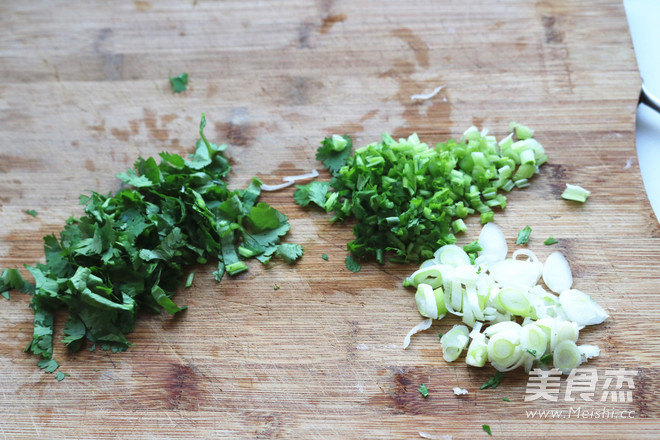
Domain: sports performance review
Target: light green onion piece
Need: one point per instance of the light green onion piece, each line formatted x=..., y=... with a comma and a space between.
x=514, y=301
x=504, y=349
x=566, y=356
x=430, y=304
x=452, y=255
x=522, y=131
x=454, y=342
x=431, y=275
x=575, y=193
x=189, y=280
x=477, y=353
x=486, y=217
x=458, y=225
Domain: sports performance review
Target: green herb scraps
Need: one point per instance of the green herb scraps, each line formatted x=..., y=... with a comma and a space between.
x=523, y=235
x=179, y=82
x=407, y=198
x=494, y=381
x=423, y=391
x=130, y=250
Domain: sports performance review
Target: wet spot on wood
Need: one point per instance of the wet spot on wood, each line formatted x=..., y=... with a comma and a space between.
x=211, y=90
x=9, y=162
x=368, y=115
x=89, y=165
x=99, y=129
x=141, y=5
x=298, y=90
x=122, y=135
x=166, y=119
x=552, y=34
x=417, y=45
x=75, y=144
x=151, y=122
x=134, y=125
x=183, y=387
x=349, y=128
x=304, y=33
x=330, y=20
x=239, y=130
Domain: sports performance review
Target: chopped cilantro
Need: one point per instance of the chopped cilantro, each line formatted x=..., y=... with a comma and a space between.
x=351, y=264
x=523, y=235
x=189, y=280
x=506, y=399
x=130, y=251
x=276, y=287
x=486, y=429
x=408, y=199
x=325, y=257
x=423, y=391
x=550, y=241
x=179, y=82
x=31, y=212
x=493, y=382
x=60, y=376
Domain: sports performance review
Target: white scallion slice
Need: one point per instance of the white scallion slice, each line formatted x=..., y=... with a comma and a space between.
x=424, y=325
x=454, y=342
x=566, y=356
x=290, y=180
x=477, y=353
x=557, y=273
x=502, y=327
x=514, y=300
x=429, y=303
x=524, y=273
x=533, y=340
x=431, y=275
x=588, y=351
x=452, y=255
x=493, y=244
x=504, y=349
x=581, y=308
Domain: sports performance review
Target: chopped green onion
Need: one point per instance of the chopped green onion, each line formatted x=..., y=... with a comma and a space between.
x=189, y=280
x=486, y=429
x=486, y=217
x=472, y=247
x=566, y=356
x=493, y=382
x=325, y=257
x=575, y=193
x=550, y=241
x=505, y=399
x=523, y=235
x=423, y=391
x=276, y=287
x=458, y=225
x=454, y=342
x=522, y=132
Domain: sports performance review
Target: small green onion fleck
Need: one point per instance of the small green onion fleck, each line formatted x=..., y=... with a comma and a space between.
x=458, y=225
x=486, y=429
x=523, y=235
x=549, y=241
x=487, y=217
x=325, y=257
x=189, y=280
x=423, y=391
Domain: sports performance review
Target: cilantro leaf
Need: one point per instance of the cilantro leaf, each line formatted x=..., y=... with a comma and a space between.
x=289, y=252
x=546, y=359
x=130, y=177
x=312, y=192
x=351, y=264
x=61, y=376
x=48, y=365
x=179, y=82
x=486, y=429
x=31, y=212
x=334, y=152
x=325, y=257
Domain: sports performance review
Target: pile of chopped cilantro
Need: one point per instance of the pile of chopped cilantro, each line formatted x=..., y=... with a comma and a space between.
x=130, y=250
x=409, y=199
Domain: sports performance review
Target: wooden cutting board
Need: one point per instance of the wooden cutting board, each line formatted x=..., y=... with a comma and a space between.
x=84, y=92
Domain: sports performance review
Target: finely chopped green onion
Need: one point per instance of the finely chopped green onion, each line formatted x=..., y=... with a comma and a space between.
x=575, y=193
x=409, y=199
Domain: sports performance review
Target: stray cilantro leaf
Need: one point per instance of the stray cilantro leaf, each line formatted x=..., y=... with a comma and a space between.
x=31, y=212
x=48, y=365
x=423, y=391
x=12, y=279
x=506, y=399
x=550, y=241
x=60, y=376
x=325, y=257
x=179, y=82
x=334, y=152
x=351, y=264
x=312, y=192
x=523, y=235
x=486, y=429
x=276, y=287
x=494, y=381
x=546, y=359
x=289, y=252
x=130, y=177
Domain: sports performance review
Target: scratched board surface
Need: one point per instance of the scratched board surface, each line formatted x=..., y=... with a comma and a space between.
x=84, y=93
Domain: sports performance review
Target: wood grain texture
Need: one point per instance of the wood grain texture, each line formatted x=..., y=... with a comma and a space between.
x=84, y=92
